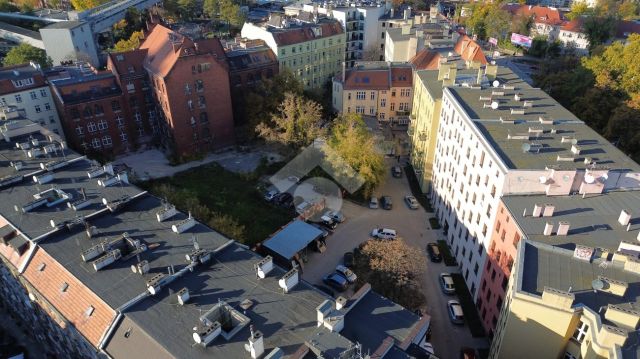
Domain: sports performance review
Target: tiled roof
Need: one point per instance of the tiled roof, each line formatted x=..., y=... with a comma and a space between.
x=425, y=59
x=625, y=28
x=250, y=58
x=469, y=50
x=367, y=79
x=69, y=296
x=123, y=61
x=297, y=35
x=19, y=72
x=165, y=47
x=541, y=14
x=401, y=77
x=574, y=25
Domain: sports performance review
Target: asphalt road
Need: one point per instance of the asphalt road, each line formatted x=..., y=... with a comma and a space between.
x=413, y=226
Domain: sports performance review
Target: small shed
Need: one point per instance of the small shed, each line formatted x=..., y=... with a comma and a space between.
x=289, y=245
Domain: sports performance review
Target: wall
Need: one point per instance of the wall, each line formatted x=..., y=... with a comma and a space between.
x=70, y=44
x=38, y=105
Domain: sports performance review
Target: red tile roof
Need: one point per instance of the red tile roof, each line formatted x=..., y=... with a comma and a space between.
x=73, y=303
x=541, y=14
x=9, y=252
x=574, y=25
x=626, y=28
x=165, y=46
x=121, y=61
x=469, y=50
x=302, y=34
x=426, y=59
x=378, y=78
x=401, y=77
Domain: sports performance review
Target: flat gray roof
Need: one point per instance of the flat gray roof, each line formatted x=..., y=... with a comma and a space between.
x=593, y=220
x=64, y=25
x=557, y=268
x=292, y=238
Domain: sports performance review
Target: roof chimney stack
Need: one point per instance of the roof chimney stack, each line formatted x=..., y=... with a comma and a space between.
x=563, y=228
x=548, y=228
x=537, y=210
x=256, y=343
x=548, y=210
x=625, y=217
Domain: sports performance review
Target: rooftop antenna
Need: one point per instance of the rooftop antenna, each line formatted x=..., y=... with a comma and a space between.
x=194, y=239
x=84, y=194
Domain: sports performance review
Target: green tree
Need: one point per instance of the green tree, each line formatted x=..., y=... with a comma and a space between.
x=521, y=24
x=130, y=44
x=81, y=5
x=354, y=144
x=24, y=53
x=187, y=9
x=211, y=8
x=579, y=9
x=624, y=128
x=476, y=22
x=497, y=22
x=628, y=10
x=297, y=123
x=6, y=6
x=598, y=30
x=230, y=13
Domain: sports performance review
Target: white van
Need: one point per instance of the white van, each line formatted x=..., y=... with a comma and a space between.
x=383, y=233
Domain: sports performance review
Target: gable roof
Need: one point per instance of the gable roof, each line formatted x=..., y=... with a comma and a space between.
x=625, y=28
x=425, y=59
x=121, y=62
x=69, y=296
x=469, y=50
x=295, y=35
x=541, y=14
x=165, y=46
x=574, y=25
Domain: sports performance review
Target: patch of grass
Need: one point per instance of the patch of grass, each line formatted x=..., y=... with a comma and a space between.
x=231, y=201
x=447, y=257
x=415, y=189
x=433, y=222
x=468, y=306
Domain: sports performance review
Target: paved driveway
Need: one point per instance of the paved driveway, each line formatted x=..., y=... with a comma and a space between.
x=412, y=225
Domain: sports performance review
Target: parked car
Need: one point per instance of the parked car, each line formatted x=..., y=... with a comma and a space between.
x=383, y=233
x=346, y=273
x=446, y=283
x=328, y=222
x=373, y=203
x=396, y=171
x=269, y=196
x=325, y=290
x=337, y=216
x=386, y=202
x=411, y=201
x=348, y=259
x=434, y=252
x=335, y=281
x=283, y=198
x=303, y=206
x=455, y=312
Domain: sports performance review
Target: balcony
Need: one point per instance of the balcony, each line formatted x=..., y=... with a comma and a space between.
x=402, y=113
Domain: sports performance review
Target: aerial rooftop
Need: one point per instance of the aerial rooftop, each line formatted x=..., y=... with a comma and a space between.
x=593, y=220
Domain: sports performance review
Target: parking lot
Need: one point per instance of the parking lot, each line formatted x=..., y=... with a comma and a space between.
x=413, y=227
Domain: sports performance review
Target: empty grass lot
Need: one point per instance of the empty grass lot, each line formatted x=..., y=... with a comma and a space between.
x=231, y=194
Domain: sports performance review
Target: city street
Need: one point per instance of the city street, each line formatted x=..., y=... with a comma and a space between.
x=412, y=225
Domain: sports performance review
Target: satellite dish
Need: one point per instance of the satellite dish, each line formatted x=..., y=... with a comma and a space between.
x=574, y=141
x=589, y=178
x=105, y=202
x=134, y=269
x=526, y=147
x=495, y=105
x=597, y=284
x=495, y=83
x=566, y=178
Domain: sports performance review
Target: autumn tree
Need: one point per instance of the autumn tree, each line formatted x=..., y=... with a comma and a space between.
x=354, y=144
x=393, y=269
x=521, y=24
x=230, y=13
x=598, y=30
x=297, y=123
x=24, y=53
x=497, y=22
x=80, y=5
x=629, y=10
x=6, y=6
x=130, y=44
x=579, y=9
x=211, y=8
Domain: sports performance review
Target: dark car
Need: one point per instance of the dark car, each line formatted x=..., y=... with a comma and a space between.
x=386, y=202
x=328, y=222
x=325, y=231
x=434, y=252
x=284, y=199
x=335, y=281
x=325, y=290
x=348, y=259
x=396, y=171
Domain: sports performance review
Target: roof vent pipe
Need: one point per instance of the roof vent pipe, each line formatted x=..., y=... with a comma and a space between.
x=548, y=210
x=563, y=228
x=548, y=228
x=537, y=210
x=625, y=217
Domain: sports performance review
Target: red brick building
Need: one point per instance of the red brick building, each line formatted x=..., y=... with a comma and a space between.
x=190, y=80
x=93, y=113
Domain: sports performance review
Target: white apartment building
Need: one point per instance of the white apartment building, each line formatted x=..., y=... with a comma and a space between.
x=23, y=89
x=572, y=34
x=360, y=21
x=508, y=138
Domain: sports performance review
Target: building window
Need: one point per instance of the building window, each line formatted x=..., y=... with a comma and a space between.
x=37, y=108
x=106, y=141
x=47, y=106
x=91, y=127
x=204, y=118
x=119, y=121
x=123, y=137
x=199, y=85
x=98, y=109
x=102, y=125
x=581, y=331
x=87, y=112
x=80, y=130
x=201, y=102
x=360, y=95
x=392, y=106
x=43, y=93
x=383, y=102
x=95, y=143
x=115, y=106
x=18, y=98
x=33, y=95
x=568, y=355
x=360, y=109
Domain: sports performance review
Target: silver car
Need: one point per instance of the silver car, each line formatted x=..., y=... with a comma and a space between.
x=455, y=312
x=412, y=202
x=373, y=203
